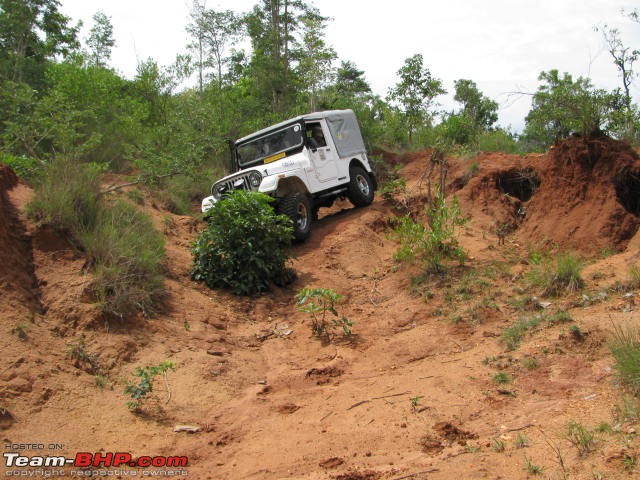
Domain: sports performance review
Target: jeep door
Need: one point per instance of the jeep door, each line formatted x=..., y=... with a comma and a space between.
x=322, y=152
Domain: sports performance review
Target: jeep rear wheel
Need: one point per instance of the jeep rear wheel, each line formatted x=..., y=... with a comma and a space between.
x=296, y=206
x=360, y=190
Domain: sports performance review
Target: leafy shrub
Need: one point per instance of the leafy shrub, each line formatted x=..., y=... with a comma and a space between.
x=67, y=196
x=244, y=247
x=625, y=348
x=126, y=254
x=25, y=167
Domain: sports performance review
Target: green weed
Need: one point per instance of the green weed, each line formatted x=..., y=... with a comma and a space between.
x=581, y=438
x=141, y=391
x=317, y=302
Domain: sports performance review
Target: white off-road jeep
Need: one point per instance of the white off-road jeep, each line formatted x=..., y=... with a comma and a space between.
x=305, y=163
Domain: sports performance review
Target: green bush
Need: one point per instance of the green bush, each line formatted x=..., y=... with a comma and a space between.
x=245, y=246
x=67, y=196
x=126, y=254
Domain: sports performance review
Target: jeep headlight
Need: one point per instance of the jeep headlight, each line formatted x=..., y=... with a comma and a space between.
x=217, y=191
x=255, y=179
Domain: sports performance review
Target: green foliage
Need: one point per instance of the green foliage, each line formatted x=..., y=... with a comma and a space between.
x=317, y=302
x=32, y=33
x=125, y=253
x=141, y=391
x=432, y=246
x=245, y=246
x=498, y=140
x=562, y=106
x=415, y=93
x=100, y=40
x=625, y=348
x=25, y=167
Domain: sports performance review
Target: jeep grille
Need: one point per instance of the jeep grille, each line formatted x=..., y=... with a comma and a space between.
x=249, y=181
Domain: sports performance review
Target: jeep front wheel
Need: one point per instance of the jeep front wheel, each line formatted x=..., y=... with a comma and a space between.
x=296, y=207
x=360, y=190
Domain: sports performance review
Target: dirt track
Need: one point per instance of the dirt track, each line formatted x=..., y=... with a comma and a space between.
x=410, y=396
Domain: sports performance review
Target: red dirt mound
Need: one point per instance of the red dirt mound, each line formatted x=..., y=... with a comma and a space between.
x=588, y=196
x=583, y=195
x=17, y=280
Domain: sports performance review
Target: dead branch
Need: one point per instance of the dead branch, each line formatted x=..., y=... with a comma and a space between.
x=138, y=181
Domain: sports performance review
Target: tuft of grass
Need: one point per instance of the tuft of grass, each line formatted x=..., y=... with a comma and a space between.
x=513, y=335
x=581, y=438
x=625, y=348
x=521, y=441
x=532, y=468
x=576, y=333
x=497, y=445
x=634, y=277
x=561, y=278
x=530, y=363
x=502, y=378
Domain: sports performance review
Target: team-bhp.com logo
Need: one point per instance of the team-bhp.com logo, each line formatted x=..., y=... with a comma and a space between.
x=88, y=460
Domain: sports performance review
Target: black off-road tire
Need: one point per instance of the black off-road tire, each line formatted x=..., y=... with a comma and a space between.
x=297, y=207
x=360, y=190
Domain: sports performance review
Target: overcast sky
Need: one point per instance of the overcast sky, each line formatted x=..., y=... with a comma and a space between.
x=502, y=45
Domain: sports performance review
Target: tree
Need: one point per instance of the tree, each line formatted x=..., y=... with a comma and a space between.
x=213, y=33
x=623, y=59
x=562, y=106
x=272, y=26
x=350, y=82
x=478, y=114
x=416, y=92
x=315, y=59
x=482, y=111
x=100, y=40
x=32, y=33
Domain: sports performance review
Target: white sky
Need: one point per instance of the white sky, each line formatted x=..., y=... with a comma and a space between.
x=502, y=45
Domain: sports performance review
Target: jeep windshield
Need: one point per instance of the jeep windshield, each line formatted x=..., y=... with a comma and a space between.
x=269, y=147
